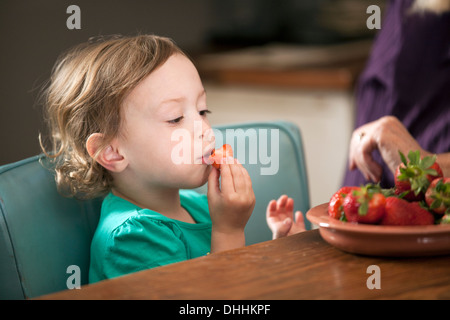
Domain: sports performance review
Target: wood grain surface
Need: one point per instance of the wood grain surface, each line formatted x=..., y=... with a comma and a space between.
x=301, y=266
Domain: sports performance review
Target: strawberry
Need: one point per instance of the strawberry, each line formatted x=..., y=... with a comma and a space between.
x=400, y=212
x=335, y=206
x=413, y=177
x=438, y=195
x=220, y=155
x=365, y=204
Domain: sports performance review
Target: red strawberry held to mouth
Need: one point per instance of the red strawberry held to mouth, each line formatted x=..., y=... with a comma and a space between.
x=413, y=177
x=220, y=155
x=365, y=204
x=335, y=206
x=400, y=212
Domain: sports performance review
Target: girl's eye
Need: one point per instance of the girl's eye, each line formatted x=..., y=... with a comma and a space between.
x=204, y=112
x=175, y=120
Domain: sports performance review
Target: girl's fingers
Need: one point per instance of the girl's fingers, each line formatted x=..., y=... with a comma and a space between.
x=246, y=175
x=227, y=183
x=271, y=209
x=290, y=205
x=281, y=203
x=299, y=223
x=238, y=178
x=213, y=182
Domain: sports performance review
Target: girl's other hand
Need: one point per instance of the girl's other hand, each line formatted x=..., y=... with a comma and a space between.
x=280, y=218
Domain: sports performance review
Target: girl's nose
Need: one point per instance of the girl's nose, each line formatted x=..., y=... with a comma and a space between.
x=207, y=134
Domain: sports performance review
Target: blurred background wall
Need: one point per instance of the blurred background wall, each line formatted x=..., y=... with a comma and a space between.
x=33, y=34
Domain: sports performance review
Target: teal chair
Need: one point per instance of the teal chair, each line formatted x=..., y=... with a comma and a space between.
x=42, y=233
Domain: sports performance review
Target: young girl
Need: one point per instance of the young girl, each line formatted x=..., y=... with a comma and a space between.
x=112, y=107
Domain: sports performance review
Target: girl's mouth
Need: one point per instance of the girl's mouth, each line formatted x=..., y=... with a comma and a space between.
x=206, y=158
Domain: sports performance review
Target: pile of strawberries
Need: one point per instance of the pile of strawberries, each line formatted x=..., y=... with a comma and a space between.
x=421, y=196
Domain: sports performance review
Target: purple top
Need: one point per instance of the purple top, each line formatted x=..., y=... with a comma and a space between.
x=408, y=76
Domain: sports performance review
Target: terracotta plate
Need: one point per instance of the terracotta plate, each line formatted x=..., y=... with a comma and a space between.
x=377, y=240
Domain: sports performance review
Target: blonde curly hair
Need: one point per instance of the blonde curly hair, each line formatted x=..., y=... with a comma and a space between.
x=84, y=96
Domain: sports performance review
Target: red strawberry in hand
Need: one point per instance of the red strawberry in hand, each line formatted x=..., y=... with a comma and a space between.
x=220, y=155
x=335, y=206
x=365, y=204
x=413, y=177
x=438, y=195
x=400, y=212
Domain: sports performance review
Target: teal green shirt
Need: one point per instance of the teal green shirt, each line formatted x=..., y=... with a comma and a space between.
x=129, y=238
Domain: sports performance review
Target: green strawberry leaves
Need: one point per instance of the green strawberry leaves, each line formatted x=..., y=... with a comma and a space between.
x=364, y=195
x=441, y=195
x=416, y=170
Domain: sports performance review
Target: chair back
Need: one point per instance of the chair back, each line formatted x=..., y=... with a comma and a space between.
x=42, y=233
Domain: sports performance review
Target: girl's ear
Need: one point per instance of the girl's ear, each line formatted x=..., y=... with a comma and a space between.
x=109, y=157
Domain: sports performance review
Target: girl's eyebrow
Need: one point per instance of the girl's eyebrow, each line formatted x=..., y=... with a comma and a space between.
x=201, y=94
x=181, y=99
x=178, y=100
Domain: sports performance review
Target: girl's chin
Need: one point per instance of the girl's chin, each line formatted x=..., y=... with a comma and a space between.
x=198, y=179
x=204, y=177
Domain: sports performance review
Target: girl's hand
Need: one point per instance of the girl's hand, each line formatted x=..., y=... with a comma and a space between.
x=280, y=218
x=230, y=204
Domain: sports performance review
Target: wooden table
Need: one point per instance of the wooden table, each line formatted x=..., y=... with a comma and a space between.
x=301, y=266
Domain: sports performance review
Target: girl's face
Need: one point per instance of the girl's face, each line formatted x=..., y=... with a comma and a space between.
x=165, y=123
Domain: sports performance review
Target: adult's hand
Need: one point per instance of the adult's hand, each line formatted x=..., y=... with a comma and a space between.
x=387, y=135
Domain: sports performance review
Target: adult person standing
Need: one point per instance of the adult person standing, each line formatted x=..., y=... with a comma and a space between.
x=407, y=77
